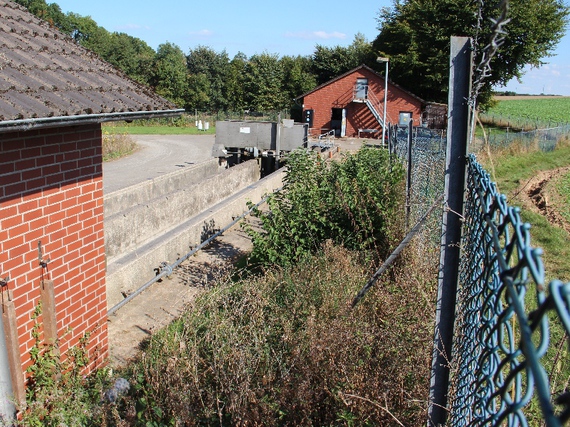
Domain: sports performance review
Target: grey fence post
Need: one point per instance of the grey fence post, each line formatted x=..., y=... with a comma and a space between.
x=409, y=175
x=457, y=131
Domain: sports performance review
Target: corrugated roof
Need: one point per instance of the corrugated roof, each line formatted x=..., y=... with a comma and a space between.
x=45, y=74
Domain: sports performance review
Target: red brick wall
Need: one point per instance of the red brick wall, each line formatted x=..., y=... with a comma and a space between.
x=51, y=189
x=339, y=94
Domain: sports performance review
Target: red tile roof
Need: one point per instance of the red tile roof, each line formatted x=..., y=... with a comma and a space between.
x=45, y=75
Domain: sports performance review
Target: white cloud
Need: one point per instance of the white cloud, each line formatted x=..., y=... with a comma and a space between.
x=316, y=35
x=201, y=33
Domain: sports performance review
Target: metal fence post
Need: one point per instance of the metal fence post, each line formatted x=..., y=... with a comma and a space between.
x=457, y=131
x=409, y=175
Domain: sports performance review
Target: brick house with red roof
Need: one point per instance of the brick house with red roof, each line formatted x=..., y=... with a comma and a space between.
x=352, y=104
x=54, y=95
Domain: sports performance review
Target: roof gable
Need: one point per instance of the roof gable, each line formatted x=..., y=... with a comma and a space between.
x=46, y=75
x=365, y=67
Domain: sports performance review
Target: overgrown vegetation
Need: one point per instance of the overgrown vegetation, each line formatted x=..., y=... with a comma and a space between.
x=351, y=203
x=57, y=392
x=117, y=144
x=285, y=349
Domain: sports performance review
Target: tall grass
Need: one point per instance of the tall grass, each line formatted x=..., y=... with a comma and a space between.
x=285, y=349
x=117, y=145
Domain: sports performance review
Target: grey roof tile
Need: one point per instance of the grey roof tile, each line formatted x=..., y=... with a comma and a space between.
x=44, y=73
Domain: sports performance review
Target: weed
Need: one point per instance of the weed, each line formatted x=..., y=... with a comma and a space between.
x=57, y=392
x=117, y=145
x=285, y=349
x=351, y=202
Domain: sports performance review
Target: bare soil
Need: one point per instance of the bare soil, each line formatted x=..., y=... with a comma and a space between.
x=539, y=194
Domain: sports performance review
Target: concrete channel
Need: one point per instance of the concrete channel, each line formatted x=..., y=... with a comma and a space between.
x=155, y=222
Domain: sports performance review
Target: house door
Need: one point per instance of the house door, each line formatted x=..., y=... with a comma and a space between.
x=338, y=117
x=361, y=90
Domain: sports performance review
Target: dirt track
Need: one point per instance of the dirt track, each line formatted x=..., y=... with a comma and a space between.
x=539, y=195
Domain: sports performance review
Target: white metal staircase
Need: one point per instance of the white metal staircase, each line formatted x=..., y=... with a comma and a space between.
x=372, y=103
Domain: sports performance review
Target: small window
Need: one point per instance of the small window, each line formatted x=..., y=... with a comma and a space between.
x=361, y=90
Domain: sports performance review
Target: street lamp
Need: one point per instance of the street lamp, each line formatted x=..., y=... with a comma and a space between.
x=384, y=60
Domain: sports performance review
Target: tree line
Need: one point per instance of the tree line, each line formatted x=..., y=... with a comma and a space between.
x=413, y=34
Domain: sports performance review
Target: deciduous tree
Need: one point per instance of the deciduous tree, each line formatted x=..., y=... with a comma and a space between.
x=416, y=36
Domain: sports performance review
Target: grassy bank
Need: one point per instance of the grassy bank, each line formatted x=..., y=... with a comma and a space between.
x=158, y=130
x=511, y=169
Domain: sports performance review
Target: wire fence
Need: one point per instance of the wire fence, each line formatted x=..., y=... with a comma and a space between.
x=503, y=327
x=545, y=139
x=519, y=123
x=423, y=156
x=511, y=329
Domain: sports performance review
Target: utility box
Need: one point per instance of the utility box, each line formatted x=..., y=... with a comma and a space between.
x=261, y=136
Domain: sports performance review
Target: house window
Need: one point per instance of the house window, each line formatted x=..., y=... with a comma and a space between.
x=361, y=89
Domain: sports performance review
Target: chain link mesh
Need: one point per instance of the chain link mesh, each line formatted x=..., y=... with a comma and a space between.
x=499, y=343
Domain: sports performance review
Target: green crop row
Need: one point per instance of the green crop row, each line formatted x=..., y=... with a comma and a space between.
x=533, y=112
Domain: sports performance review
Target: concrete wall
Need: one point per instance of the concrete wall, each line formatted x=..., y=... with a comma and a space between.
x=142, y=193
x=167, y=202
x=215, y=202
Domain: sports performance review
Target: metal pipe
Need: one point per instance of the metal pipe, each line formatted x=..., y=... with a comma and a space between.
x=7, y=408
x=386, y=61
x=27, y=124
x=167, y=270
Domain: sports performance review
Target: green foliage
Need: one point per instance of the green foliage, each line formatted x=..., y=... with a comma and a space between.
x=170, y=77
x=416, y=37
x=330, y=62
x=351, y=202
x=57, y=392
x=263, y=80
x=539, y=111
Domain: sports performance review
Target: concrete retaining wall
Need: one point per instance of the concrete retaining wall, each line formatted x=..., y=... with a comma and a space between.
x=143, y=192
x=128, y=272
x=158, y=213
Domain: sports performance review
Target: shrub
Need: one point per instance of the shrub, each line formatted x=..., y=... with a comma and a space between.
x=351, y=202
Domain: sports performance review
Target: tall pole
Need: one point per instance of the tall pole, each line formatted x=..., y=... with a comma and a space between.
x=385, y=61
x=455, y=168
x=385, y=101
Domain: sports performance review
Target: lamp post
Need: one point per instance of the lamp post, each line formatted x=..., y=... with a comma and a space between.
x=384, y=60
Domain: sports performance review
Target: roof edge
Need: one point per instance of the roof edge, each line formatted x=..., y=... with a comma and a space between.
x=49, y=122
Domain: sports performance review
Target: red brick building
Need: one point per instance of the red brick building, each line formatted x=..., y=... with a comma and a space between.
x=54, y=95
x=353, y=104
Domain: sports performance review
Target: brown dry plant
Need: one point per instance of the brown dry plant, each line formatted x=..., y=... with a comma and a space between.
x=286, y=349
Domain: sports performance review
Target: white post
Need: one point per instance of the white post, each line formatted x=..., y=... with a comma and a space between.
x=7, y=409
x=385, y=61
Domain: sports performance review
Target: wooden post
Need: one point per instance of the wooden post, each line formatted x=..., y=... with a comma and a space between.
x=47, y=297
x=457, y=132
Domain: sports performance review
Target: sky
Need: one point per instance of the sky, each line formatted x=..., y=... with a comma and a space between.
x=257, y=26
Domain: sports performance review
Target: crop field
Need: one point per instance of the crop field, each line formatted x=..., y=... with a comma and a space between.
x=544, y=111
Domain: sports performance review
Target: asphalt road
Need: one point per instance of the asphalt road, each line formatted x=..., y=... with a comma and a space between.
x=157, y=155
